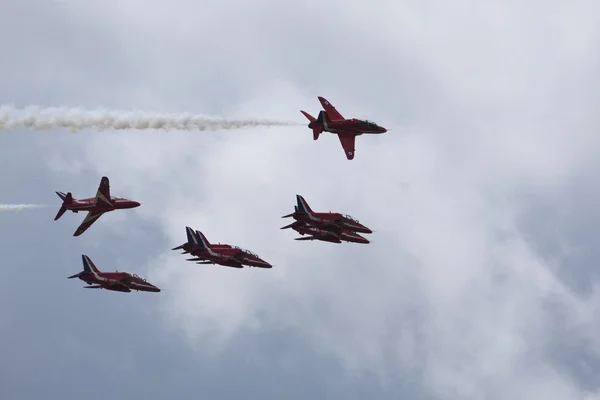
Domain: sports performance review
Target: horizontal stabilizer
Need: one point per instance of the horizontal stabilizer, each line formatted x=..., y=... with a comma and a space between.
x=67, y=200
x=60, y=213
x=289, y=215
x=316, y=132
x=308, y=116
x=287, y=226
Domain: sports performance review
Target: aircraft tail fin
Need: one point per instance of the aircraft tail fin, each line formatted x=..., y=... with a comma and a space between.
x=323, y=118
x=315, y=124
x=67, y=200
x=88, y=264
x=191, y=239
x=202, y=241
x=191, y=236
x=303, y=206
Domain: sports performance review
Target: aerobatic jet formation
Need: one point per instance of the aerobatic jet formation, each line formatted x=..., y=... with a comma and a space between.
x=116, y=281
x=329, y=227
x=347, y=130
x=95, y=206
x=221, y=254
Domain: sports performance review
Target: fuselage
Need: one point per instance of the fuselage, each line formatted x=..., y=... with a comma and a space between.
x=107, y=278
x=331, y=220
x=328, y=235
x=355, y=126
x=224, y=254
x=89, y=204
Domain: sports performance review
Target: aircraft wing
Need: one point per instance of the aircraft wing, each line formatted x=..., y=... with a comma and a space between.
x=233, y=265
x=319, y=236
x=330, y=110
x=347, y=140
x=103, y=193
x=121, y=284
x=116, y=285
x=87, y=222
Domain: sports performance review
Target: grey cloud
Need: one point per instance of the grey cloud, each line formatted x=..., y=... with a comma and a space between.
x=456, y=297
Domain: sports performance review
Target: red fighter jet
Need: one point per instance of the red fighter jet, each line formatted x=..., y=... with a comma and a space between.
x=327, y=221
x=347, y=130
x=222, y=254
x=96, y=206
x=332, y=235
x=116, y=281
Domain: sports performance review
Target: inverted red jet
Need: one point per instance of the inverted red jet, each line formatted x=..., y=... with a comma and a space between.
x=95, y=206
x=332, y=235
x=327, y=221
x=116, y=281
x=347, y=130
x=222, y=254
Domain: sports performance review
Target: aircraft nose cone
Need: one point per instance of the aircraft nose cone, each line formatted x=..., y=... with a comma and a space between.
x=136, y=204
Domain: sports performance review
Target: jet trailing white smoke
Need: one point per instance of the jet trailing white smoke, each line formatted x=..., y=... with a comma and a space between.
x=19, y=207
x=76, y=119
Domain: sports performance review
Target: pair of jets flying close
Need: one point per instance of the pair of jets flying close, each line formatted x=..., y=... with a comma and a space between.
x=329, y=227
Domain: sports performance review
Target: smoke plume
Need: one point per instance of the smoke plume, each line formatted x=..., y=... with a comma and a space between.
x=19, y=207
x=76, y=119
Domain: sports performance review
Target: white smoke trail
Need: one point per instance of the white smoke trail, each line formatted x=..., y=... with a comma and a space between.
x=38, y=118
x=19, y=207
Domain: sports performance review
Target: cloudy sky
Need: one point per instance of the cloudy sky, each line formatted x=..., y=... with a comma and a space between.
x=481, y=282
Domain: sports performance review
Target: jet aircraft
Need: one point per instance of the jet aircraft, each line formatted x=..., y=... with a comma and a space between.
x=116, y=281
x=322, y=220
x=95, y=206
x=332, y=235
x=221, y=254
x=332, y=121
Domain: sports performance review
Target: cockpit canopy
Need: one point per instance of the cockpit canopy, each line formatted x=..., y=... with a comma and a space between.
x=369, y=123
x=246, y=251
x=351, y=218
x=138, y=277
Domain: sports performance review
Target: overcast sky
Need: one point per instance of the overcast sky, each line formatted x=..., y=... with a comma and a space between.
x=481, y=281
